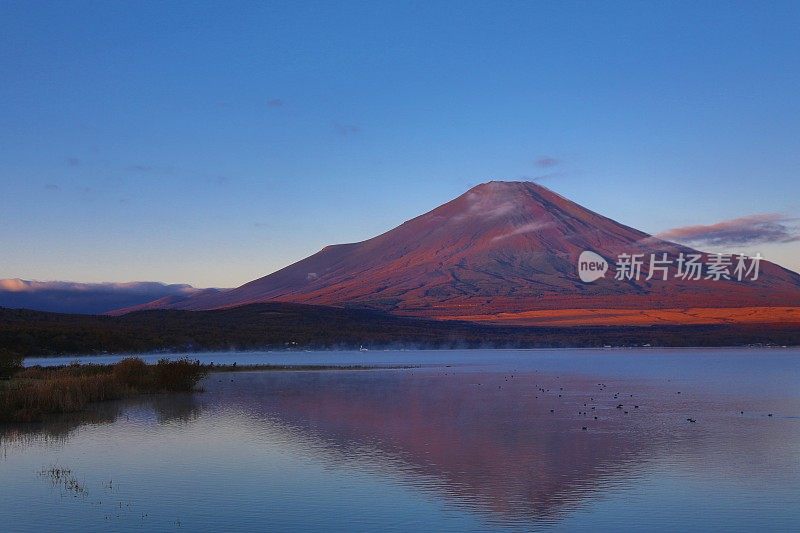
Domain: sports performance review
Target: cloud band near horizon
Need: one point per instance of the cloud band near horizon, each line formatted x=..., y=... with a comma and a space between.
x=752, y=229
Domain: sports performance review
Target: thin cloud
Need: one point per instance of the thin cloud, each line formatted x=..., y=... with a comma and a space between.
x=31, y=286
x=143, y=168
x=541, y=177
x=94, y=298
x=545, y=161
x=525, y=228
x=751, y=229
x=346, y=129
x=493, y=203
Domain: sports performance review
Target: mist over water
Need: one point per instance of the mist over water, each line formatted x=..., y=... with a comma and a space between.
x=469, y=440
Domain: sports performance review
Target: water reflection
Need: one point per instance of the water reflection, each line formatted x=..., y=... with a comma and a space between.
x=507, y=445
x=59, y=428
x=510, y=444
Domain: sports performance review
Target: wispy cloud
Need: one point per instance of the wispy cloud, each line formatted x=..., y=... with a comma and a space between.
x=546, y=161
x=140, y=168
x=525, y=228
x=71, y=297
x=541, y=177
x=492, y=202
x=145, y=168
x=488, y=207
x=346, y=129
x=23, y=285
x=751, y=229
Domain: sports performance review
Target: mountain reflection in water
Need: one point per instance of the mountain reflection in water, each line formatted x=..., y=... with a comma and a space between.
x=508, y=447
x=487, y=439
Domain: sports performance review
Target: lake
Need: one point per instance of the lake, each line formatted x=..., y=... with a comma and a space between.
x=578, y=440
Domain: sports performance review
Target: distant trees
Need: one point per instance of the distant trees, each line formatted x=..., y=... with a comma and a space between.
x=279, y=325
x=10, y=363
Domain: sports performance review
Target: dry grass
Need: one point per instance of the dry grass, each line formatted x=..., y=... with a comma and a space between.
x=34, y=393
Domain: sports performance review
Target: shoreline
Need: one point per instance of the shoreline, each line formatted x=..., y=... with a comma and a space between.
x=224, y=369
x=83, y=358
x=35, y=393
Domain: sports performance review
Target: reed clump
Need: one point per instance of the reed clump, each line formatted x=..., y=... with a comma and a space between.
x=178, y=376
x=33, y=393
x=10, y=363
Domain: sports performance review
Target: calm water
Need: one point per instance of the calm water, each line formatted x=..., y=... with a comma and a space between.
x=479, y=440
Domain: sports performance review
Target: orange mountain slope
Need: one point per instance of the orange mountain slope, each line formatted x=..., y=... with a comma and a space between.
x=510, y=250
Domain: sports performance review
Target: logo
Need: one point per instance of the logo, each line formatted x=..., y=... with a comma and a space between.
x=591, y=266
x=686, y=266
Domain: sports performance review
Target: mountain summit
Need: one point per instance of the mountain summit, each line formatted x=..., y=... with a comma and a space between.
x=500, y=250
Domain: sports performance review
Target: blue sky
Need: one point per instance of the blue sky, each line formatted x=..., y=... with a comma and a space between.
x=213, y=143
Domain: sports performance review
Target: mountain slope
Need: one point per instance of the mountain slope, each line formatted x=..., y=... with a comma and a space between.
x=502, y=247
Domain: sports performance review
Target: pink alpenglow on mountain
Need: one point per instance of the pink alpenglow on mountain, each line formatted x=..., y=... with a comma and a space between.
x=508, y=252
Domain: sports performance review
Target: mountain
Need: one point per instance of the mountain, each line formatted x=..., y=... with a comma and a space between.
x=501, y=251
x=88, y=298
